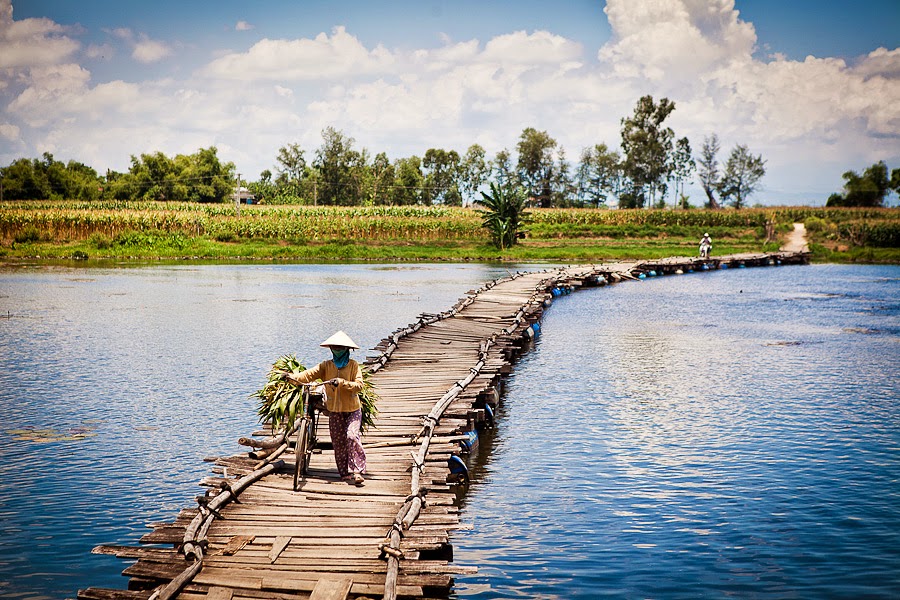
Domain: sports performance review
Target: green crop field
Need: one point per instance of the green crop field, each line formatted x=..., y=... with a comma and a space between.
x=53, y=230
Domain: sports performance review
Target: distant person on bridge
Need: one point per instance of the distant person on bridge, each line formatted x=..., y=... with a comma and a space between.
x=705, y=246
x=343, y=380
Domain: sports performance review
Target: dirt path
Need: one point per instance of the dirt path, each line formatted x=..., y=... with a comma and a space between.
x=796, y=241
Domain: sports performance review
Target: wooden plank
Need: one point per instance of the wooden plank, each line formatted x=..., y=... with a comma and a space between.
x=278, y=546
x=236, y=543
x=95, y=593
x=332, y=589
x=219, y=593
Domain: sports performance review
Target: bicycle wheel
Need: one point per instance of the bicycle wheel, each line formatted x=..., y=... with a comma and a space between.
x=300, y=450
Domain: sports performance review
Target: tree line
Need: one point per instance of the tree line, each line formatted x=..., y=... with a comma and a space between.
x=649, y=169
x=867, y=189
x=198, y=177
x=652, y=165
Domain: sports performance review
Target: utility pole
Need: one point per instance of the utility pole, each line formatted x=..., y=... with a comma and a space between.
x=237, y=197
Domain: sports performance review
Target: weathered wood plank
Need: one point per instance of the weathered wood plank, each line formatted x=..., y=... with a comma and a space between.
x=236, y=543
x=220, y=593
x=280, y=543
x=329, y=588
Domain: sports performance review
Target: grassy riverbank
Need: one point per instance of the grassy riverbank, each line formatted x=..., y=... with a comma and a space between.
x=157, y=230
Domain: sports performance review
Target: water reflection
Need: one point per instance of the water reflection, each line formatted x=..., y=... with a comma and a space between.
x=657, y=444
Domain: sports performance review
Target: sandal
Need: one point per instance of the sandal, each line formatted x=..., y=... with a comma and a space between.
x=357, y=479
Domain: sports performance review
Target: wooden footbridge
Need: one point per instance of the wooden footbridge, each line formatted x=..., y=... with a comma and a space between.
x=251, y=536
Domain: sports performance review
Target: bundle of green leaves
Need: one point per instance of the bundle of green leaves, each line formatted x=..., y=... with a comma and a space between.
x=367, y=399
x=281, y=401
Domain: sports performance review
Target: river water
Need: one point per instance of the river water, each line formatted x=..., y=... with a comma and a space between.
x=733, y=433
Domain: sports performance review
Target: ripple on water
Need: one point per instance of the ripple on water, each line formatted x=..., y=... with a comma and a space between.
x=676, y=449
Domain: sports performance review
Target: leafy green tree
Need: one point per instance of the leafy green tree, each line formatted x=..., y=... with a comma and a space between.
x=441, y=177
x=22, y=181
x=474, y=172
x=154, y=177
x=206, y=178
x=501, y=168
x=264, y=189
x=49, y=179
x=535, y=164
x=708, y=169
x=563, y=192
x=868, y=189
x=198, y=177
x=599, y=174
x=503, y=214
x=118, y=186
x=292, y=162
x=683, y=166
x=408, y=181
x=382, y=179
x=360, y=184
x=333, y=163
x=292, y=169
x=742, y=175
x=647, y=145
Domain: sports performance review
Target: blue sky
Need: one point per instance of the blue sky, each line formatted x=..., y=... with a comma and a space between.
x=812, y=86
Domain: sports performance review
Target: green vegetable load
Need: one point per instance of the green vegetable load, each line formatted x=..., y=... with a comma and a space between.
x=281, y=401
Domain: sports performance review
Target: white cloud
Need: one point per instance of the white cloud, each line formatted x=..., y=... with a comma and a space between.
x=881, y=62
x=283, y=91
x=31, y=42
x=243, y=26
x=700, y=54
x=150, y=51
x=143, y=49
x=661, y=39
x=812, y=119
x=9, y=131
x=123, y=33
x=100, y=51
x=340, y=55
x=537, y=48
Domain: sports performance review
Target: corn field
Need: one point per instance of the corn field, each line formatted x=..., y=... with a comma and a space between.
x=69, y=221
x=63, y=221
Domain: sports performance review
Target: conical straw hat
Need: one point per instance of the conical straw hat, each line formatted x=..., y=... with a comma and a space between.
x=340, y=339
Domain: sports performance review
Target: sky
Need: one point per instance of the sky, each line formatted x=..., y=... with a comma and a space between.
x=811, y=85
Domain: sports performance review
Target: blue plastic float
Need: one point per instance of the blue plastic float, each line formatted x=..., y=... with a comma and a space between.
x=458, y=468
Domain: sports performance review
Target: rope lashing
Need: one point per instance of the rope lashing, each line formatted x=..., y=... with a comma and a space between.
x=419, y=494
x=387, y=549
x=206, y=509
x=418, y=464
x=226, y=487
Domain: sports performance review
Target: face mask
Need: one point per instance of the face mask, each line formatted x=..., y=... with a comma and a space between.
x=341, y=357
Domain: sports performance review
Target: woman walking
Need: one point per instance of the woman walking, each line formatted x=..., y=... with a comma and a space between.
x=343, y=382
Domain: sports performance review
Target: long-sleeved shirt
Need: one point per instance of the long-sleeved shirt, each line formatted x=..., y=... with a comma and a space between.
x=343, y=397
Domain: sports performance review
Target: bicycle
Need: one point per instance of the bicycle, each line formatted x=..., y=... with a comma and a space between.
x=306, y=431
